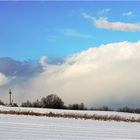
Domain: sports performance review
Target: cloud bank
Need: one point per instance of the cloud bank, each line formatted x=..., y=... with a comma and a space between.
x=10, y=67
x=118, y=26
x=106, y=75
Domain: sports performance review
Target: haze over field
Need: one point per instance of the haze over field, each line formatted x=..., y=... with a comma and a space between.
x=82, y=51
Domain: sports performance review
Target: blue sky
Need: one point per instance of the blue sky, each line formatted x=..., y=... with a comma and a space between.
x=29, y=30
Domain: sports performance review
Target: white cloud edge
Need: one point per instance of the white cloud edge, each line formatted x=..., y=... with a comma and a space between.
x=103, y=23
x=128, y=14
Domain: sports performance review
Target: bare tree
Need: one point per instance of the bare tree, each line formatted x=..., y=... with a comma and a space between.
x=52, y=101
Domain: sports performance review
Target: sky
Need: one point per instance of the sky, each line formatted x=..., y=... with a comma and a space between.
x=58, y=29
x=82, y=51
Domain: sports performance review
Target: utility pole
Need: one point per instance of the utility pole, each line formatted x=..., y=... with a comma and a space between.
x=10, y=97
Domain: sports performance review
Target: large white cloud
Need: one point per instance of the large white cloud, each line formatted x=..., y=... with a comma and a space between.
x=120, y=26
x=107, y=75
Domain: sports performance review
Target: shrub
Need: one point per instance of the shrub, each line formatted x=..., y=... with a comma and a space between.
x=104, y=108
x=27, y=104
x=36, y=103
x=14, y=105
x=129, y=110
x=77, y=106
x=1, y=102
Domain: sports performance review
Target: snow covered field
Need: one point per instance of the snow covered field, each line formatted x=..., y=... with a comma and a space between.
x=33, y=127
x=36, y=128
x=43, y=110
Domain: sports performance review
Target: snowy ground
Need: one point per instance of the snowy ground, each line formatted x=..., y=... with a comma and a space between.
x=36, y=128
x=32, y=127
x=43, y=110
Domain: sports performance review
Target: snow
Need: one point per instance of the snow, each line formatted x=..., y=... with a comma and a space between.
x=37, y=128
x=43, y=110
x=33, y=127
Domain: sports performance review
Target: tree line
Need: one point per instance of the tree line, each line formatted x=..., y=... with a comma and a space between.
x=52, y=101
x=55, y=102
